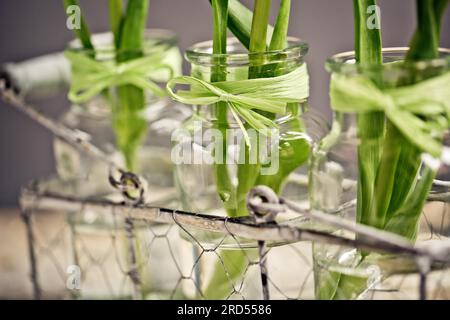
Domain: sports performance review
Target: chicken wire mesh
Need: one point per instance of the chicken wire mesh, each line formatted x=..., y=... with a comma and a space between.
x=118, y=246
x=147, y=252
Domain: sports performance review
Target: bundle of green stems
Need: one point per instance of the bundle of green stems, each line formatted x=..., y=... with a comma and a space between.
x=257, y=35
x=391, y=189
x=128, y=28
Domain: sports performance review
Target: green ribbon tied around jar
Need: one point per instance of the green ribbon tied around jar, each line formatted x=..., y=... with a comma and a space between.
x=246, y=97
x=91, y=76
x=420, y=111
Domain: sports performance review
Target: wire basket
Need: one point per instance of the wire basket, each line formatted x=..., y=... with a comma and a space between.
x=142, y=251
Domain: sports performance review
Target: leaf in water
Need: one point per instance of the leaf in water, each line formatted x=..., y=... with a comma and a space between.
x=326, y=284
x=405, y=221
x=293, y=151
x=350, y=287
x=338, y=286
x=227, y=273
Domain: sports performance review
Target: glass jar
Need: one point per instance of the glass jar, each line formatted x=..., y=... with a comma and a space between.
x=214, y=178
x=95, y=121
x=340, y=174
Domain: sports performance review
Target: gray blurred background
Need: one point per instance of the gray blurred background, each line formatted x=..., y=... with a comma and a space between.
x=31, y=28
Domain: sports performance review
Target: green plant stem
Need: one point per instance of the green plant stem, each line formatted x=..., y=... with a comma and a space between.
x=260, y=22
x=232, y=262
x=249, y=168
x=293, y=150
x=116, y=20
x=386, y=180
x=425, y=41
x=83, y=33
x=280, y=34
x=371, y=129
x=368, y=41
x=258, y=38
x=371, y=125
x=129, y=125
x=439, y=8
x=224, y=185
x=240, y=23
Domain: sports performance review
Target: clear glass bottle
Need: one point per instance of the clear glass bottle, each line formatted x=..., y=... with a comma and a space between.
x=94, y=120
x=94, y=232
x=211, y=186
x=198, y=182
x=340, y=272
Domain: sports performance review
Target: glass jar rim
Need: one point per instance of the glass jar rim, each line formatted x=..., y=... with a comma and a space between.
x=103, y=43
x=345, y=62
x=201, y=53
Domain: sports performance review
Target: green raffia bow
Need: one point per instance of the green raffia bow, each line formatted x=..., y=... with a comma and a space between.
x=420, y=111
x=90, y=77
x=245, y=96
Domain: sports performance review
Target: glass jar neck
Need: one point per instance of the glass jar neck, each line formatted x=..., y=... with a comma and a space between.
x=395, y=70
x=394, y=73
x=239, y=64
x=104, y=50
